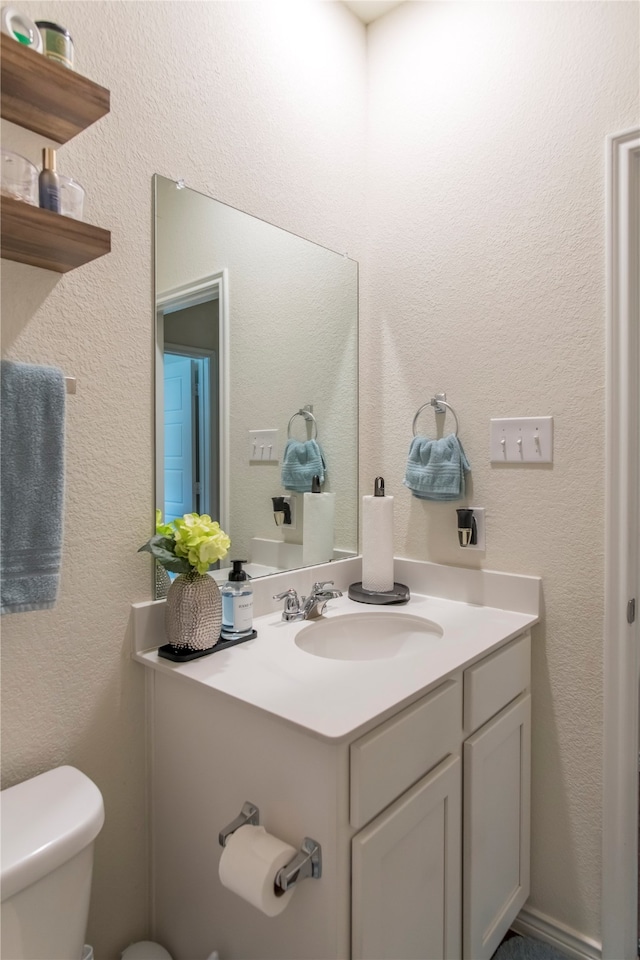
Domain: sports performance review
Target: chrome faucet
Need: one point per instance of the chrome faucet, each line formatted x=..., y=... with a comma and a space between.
x=311, y=607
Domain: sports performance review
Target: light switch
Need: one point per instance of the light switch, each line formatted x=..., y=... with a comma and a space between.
x=263, y=446
x=522, y=440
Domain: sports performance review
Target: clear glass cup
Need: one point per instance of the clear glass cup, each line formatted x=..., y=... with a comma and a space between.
x=19, y=177
x=71, y=197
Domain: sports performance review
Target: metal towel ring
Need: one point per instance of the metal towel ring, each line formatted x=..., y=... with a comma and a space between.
x=437, y=403
x=306, y=415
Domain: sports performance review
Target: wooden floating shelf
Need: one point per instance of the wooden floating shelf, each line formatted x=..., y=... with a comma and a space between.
x=54, y=102
x=49, y=240
x=41, y=95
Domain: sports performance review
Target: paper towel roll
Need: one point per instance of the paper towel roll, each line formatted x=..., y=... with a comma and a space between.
x=318, y=528
x=249, y=864
x=377, y=544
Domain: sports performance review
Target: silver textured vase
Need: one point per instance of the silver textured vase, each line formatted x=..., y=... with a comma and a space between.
x=193, y=612
x=163, y=582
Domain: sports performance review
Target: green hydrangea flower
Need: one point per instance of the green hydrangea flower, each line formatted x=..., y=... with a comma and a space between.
x=191, y=542
x=163, y=529
x=200, y=540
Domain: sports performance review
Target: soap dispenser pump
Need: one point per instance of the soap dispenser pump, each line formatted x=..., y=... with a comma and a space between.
x=237, y=605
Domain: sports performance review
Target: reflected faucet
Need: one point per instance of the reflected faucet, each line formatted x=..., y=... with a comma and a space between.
x=311, y=607
x=282, y=512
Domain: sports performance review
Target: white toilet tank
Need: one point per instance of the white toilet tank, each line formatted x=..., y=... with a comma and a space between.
x=48, y=827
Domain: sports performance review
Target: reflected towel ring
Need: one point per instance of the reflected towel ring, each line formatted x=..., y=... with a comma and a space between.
x=437, y=403
x=306, y=415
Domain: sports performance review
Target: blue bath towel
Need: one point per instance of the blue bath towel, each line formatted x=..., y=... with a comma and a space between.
x=31, y=485
x=302, y=460
x=436, y=468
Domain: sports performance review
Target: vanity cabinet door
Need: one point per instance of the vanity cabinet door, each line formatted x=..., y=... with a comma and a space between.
x=406, y=885
x=496, y=828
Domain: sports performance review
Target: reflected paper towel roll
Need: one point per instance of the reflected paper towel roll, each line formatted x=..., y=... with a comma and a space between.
x=377, y=544
x=249, y=864
x=318, y=528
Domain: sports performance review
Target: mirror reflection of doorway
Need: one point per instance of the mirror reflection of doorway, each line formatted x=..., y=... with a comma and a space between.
x=190, y=414
x=189, y=461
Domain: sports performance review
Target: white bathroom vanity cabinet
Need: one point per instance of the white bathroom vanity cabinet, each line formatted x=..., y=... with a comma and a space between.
x=421, y=810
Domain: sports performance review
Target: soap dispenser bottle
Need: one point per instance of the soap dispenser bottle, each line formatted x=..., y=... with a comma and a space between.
x=237, y=604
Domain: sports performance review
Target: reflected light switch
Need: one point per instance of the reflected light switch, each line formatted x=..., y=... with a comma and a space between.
x=263, y=446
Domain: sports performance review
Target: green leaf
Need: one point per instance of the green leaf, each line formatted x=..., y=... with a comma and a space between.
x=175, y=564
x=162, y=549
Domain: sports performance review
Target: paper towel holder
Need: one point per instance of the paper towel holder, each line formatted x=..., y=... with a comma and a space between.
x=306, y=863
x=399, y=594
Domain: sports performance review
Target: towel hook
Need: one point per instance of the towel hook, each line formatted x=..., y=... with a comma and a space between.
x=306, y=415
x=438, y=403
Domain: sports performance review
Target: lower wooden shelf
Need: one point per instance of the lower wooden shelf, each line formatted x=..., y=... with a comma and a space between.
x=49, y=240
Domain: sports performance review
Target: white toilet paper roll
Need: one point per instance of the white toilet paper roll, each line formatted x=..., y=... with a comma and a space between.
x=377, y=544
x=249, y=864
x=318, y=528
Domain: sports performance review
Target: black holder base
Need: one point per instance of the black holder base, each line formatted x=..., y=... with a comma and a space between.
x=399, y=594
x=179, y=655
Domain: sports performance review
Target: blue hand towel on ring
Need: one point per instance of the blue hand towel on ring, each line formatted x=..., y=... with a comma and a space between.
x=436, y=468
x=302, y=460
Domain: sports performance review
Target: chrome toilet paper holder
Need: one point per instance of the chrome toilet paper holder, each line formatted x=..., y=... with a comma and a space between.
x=307, y=863
x=248, y=815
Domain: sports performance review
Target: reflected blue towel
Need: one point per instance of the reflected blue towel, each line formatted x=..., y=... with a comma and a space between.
x=31, y=485
x=302, y=460
x=436, y=468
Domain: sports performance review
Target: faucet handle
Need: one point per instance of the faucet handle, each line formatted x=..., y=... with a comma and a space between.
x=290, y=592
x=291, y=604
x=321, y=585
x=325, y=589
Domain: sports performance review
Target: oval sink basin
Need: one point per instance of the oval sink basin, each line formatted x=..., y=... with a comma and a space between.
x=367, y=636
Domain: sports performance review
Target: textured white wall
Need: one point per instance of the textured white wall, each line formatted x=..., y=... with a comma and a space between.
x=485, y=278
x=260, y=104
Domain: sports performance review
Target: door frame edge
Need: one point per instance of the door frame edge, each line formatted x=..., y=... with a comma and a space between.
x=620, y=747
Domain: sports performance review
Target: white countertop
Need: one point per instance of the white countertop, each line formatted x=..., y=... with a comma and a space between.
x=333, y=698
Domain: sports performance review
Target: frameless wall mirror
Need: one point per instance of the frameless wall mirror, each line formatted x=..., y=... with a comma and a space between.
x=256, y=382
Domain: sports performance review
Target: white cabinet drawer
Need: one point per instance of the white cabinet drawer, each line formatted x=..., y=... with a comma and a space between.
x=395, y=755
x=495, y=681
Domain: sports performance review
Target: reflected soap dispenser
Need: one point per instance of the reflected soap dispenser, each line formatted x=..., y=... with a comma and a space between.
x=237, y=605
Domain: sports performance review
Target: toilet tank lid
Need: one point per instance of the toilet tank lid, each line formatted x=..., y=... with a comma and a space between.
x=44, y=822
